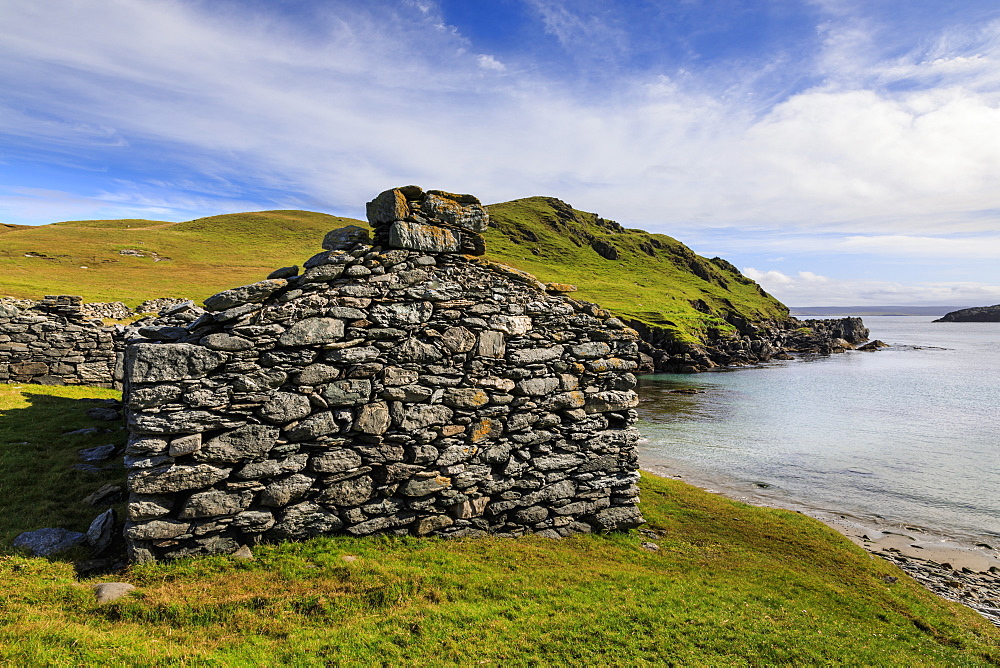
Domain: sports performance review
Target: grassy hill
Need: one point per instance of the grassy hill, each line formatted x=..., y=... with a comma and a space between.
x=729, y=584
x=649, y=277
x=194, y=259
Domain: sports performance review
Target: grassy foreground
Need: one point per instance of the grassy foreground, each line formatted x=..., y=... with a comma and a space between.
x=731, y=584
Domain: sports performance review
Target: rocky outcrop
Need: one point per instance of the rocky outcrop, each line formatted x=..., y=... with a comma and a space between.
x=752, y=343
x=397, y=386
x=975, y=314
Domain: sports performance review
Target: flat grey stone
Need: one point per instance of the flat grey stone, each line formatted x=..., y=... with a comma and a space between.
x=168, y=479
x=47, y=542
x=106, y=592
x=426, y=238
x=348, y=392
x=97, y=454
x=351, y=492
x=226, y=342
x=248, y=442
x=312, y=331
x=285, y=407
x=254, y=293
x=420, y=416
x=305, y=520
x=281, y=492
x=215, y=503
x=315, y=425
x=153, y=363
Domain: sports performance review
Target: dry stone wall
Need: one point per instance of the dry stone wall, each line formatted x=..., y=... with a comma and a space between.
x=397, y=386
x=53, y=342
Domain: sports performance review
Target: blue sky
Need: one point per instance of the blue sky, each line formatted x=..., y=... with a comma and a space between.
x=840, y=152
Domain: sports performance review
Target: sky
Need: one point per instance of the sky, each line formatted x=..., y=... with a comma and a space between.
x=840, y=152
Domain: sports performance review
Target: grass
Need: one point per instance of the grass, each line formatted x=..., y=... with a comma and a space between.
x=731, y=584
x=38, y=485
x=205, y=256
x=656, y=280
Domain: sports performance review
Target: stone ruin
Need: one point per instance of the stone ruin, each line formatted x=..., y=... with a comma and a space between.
x=397, y=384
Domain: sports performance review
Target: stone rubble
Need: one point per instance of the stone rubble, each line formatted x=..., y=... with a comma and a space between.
x=400, y=385
x=977, y=590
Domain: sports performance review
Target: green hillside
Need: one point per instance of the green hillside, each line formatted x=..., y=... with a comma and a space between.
x=652, y=277
x=193, y=259
x=649, y=277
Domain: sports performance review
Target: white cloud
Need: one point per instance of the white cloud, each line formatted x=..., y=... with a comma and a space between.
x=366, y=98
x=984, y=247
x=809, y=289
x=488, y=62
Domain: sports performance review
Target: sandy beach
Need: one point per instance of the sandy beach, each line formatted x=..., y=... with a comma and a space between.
x=965, y=569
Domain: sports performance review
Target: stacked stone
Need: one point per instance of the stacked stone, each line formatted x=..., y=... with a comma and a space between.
x=53, y=344
x=433, y=221
x=385, y=389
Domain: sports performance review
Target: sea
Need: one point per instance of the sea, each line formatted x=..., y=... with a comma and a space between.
x=909, y=434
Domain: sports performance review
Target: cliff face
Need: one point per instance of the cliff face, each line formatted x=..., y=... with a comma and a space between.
x=975, y=314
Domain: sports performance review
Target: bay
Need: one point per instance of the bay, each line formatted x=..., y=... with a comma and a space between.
x=909, y=434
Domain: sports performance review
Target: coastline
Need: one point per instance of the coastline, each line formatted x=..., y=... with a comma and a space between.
x=959, y=568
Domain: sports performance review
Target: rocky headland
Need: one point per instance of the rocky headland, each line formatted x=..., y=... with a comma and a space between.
x=752, y=343
x=974, y=314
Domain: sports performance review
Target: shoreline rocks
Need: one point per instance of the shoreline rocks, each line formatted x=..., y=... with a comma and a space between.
x=754, y=342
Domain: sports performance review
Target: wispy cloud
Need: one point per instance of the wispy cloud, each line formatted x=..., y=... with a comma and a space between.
x=808, y=289
x=366, y=99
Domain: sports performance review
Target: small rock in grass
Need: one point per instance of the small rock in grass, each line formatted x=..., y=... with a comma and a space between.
x=349, y=558
x=106, y=592
x=244, y=552
x=652, y=547
x=86, y=431
x=104, y=414
x=104, y=496
x=98, y=453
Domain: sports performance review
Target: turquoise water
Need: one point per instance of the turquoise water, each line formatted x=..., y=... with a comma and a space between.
x=909, y=433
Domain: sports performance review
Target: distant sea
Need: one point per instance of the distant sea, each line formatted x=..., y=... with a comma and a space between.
x=908, y=434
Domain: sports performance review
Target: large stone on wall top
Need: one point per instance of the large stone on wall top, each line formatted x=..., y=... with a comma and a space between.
x=426, y=238
x=387, y=206
x=462, y=211
x=345, y=238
